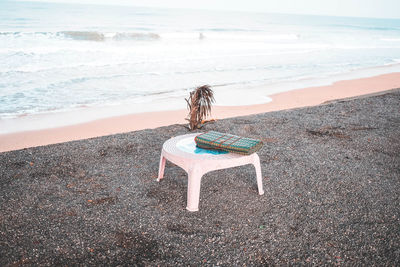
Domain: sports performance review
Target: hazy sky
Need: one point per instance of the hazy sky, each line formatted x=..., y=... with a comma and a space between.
x=358, y=8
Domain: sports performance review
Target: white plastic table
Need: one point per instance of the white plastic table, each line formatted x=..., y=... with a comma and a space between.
x=182, y=151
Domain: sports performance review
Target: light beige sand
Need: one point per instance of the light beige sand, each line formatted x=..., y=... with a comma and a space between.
x=292, y=99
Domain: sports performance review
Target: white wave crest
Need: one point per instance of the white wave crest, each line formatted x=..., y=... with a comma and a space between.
x=390, y=39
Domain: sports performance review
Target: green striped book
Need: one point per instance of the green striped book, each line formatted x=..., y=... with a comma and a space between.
x=228, y=142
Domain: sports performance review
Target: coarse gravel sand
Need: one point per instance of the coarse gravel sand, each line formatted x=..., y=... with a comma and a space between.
x=331, y=176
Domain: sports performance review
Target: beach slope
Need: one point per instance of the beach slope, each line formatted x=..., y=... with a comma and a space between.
x=126, y=123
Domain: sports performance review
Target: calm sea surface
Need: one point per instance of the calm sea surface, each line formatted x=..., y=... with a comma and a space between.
x=61, y=57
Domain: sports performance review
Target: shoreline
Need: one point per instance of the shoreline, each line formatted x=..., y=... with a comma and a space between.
x=297, y=98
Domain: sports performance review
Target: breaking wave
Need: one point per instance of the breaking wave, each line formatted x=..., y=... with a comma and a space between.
x=151, y=36
x=88, y=35
x=118, y=36
x=136, y=36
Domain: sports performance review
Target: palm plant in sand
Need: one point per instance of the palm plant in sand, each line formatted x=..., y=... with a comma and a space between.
x=199, y=105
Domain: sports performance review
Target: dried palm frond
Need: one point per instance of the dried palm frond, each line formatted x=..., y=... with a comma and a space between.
x=199, y=105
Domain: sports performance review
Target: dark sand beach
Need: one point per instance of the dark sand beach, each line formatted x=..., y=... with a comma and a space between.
x=331, y=179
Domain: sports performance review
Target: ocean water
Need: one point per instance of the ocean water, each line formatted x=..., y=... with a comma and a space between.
x=66, y=57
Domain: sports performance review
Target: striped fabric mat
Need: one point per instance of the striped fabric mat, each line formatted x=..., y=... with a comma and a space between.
x=228, y=142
